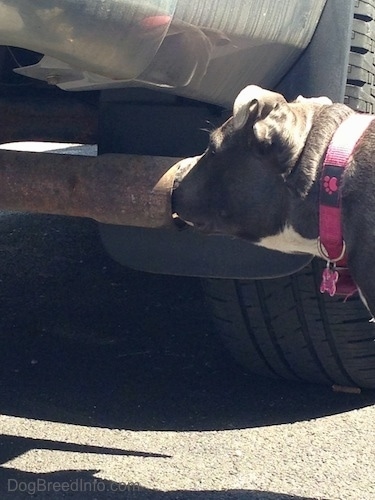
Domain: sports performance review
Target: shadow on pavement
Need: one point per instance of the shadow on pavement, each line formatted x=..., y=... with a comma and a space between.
x=84, y=340
x=14, y=446
x=84, y=485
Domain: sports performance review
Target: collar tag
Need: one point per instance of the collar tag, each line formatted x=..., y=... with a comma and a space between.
x=329, y=279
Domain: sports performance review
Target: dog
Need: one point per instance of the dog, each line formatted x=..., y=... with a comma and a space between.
x=260, y=179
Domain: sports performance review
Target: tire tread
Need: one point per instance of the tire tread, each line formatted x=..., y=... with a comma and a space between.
x=283, y=328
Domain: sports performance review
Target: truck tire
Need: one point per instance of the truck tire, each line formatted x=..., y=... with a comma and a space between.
x=360, y=90
x=284, y=327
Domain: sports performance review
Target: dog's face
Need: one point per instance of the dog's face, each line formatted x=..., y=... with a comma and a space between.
x=238, y=186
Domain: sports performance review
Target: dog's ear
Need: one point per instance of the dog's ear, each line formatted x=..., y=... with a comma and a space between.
x=252, y=104
x=276, y=128
x=265, y=116
x=282, y=133
x=287, y=124
x=279, y=128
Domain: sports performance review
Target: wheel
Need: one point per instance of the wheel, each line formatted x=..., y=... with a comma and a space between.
x=285, y=327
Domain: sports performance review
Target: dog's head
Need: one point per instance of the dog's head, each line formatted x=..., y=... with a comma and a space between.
x=238, y=186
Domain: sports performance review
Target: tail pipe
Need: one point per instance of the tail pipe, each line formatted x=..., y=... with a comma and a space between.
x=113, y=188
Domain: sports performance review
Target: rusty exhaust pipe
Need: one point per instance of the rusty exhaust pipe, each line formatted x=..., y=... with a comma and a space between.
x=113, y=188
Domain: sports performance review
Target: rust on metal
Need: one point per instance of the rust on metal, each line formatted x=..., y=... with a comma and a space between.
x=57, y=119
x=113, y=188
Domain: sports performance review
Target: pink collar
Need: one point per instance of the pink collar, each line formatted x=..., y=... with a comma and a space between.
x=331, y=244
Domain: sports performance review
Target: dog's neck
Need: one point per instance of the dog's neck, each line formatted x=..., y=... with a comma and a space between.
x=301, y=225
x=304, y=179
x=308, y=167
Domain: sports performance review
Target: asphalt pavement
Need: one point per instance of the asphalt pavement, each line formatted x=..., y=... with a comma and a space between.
x=113, y=384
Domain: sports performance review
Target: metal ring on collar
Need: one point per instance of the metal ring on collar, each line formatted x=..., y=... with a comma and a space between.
x=324, y=254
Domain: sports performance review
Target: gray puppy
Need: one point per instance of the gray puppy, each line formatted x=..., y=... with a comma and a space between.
x=260, y=179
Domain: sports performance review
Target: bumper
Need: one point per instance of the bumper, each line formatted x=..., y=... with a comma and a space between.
x=202, y=49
